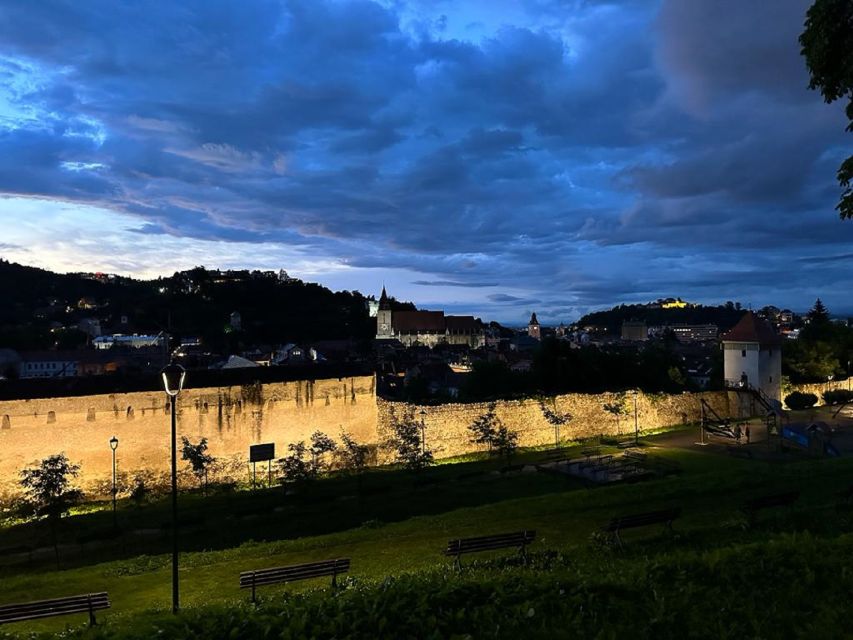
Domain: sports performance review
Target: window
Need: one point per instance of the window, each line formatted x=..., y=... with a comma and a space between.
x=771, y=379
x=743, y=353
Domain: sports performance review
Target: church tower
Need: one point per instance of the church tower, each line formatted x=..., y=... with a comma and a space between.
x=533, y=328
x=383, y=317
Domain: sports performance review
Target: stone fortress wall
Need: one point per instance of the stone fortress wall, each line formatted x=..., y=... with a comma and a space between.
x=232, y=418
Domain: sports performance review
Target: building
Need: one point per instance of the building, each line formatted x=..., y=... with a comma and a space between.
x=533, y=328
x=426, y=328
x=635, y=331
x=134, y=341
x=695, y=332
x=752, y=356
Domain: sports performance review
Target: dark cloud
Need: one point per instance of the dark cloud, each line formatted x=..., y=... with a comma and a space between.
x=452, y=283
x=579, y=153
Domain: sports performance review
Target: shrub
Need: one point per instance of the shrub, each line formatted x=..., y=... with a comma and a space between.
x=799, y=400
x=837, y=396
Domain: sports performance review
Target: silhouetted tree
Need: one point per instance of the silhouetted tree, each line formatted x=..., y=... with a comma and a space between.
x=197, y=456
x=49, y=491
x=827, y=44
x=408, y=443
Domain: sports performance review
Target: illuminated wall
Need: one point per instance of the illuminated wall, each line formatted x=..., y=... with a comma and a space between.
x=232, y=418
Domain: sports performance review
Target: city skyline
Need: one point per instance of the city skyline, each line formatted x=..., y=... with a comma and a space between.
x=487, y=158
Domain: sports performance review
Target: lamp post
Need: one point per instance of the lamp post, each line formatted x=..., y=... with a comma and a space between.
x=114, y=446
x=636, y=422
x=423, y=432
x=173, y=381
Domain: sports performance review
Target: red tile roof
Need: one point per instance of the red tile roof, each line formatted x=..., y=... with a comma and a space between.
x=462, y=323
x=751, y=328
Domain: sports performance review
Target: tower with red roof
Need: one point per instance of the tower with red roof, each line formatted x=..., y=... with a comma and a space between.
x=752, y=356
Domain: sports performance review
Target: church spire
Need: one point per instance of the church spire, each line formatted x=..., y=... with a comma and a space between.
x=384, y=304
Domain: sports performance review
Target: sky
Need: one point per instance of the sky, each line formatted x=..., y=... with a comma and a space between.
x=491, y=157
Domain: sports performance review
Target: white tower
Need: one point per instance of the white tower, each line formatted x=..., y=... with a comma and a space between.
x=752, y=355
x=383, y=317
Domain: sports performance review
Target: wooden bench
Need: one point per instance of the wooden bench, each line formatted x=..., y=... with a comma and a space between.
x=87, y=603
x=664, y=517
x=279, y=575
x=752, y=507
x=518, y=539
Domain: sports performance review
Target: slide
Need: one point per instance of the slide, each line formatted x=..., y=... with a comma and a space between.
x=831, y=451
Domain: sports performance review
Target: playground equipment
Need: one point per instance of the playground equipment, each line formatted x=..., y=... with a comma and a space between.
x=816, y=439
x=713, y=425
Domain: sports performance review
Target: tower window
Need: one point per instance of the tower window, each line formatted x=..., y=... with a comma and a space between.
x=743, y=353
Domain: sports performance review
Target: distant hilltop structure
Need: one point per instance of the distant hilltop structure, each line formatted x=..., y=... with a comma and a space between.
x=670, y=303
x=426, y=328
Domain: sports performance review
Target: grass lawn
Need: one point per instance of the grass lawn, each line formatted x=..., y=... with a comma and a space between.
x=404, y=528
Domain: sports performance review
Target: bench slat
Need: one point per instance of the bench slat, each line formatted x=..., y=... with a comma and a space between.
x=293, y=573
x=54, y=607
x=488, y=543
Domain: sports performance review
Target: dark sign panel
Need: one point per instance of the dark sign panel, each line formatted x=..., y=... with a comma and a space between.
x=261, y=452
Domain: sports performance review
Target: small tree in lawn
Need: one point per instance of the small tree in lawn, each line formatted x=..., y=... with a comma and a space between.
x=482, y=430
x=321, y=444
x=505, y=442
x=354, y=457
x=616, y=409
x=49, y=490
x=556, y=419
x=197, y=456
x=407, y=442
x=295, y=468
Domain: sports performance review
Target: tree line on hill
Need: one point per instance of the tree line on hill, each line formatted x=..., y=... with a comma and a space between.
x=195, y=303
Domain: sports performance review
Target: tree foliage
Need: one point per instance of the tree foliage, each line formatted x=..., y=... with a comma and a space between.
x=353, y=455
x=484, y=427
x=197, y=456
x=49, y=488
x=408, y=443
x=827, y=44
x=799, y=400
x=321, y=444
x=818, y=313
x=296, y=468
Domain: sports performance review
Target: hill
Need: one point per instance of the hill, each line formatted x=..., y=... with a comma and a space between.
x=725, y=316
x=44, y=310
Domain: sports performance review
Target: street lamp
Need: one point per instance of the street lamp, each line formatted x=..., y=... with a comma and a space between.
x=173, y=381
x=423, y=432
x=114, y=446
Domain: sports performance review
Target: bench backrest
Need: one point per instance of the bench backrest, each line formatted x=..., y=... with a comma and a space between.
x=295, y=572
x=86, y=603
x=487, y=543
x=643, y=519
x=775, y=500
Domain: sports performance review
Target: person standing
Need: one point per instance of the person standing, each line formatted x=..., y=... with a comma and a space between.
x=747, y=434
x=738, y=433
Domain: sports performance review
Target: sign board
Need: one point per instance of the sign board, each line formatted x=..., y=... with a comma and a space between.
x=261, y=452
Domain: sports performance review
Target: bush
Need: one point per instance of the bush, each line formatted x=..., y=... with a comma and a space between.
x=799, y=400
x=837, y=396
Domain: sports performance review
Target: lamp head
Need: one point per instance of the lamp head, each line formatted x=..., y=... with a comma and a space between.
x=113, y=443
x=173, y=378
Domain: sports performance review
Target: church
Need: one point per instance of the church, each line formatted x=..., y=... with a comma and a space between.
x=427, y=328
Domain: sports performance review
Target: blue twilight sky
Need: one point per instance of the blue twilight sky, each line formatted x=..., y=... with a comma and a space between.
x=494, y=157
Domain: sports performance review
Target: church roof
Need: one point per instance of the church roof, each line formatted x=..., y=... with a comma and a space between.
x=751, y=328
x=418, y=321
x=462, y=323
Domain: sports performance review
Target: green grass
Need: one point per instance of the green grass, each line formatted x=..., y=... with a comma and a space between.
x=403, y=531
